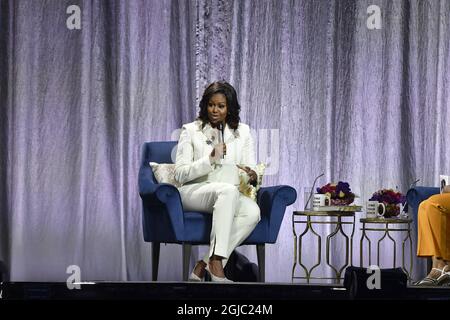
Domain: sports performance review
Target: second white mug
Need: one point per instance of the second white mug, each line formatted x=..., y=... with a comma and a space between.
x=375, y=209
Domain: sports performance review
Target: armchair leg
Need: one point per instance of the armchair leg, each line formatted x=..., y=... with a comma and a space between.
x=187, y=248
x=261, y=253
x=155, y=260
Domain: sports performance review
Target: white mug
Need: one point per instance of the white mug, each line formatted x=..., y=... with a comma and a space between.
x=374, y=209
x=321, y=200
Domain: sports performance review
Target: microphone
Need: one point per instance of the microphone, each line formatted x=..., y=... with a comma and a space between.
x=221, y=129
x=412, y=185
x=312, y=190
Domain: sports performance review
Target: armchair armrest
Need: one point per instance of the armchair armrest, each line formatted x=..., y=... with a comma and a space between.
x=416, y=195
x=162, y=194
x=272, y=202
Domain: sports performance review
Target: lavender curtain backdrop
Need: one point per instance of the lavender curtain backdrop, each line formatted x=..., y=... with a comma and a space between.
x=322, y=92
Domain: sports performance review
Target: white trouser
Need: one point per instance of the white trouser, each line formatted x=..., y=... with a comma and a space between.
x=234, y=215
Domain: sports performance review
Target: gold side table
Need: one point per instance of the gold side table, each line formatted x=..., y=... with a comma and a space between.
x=336, y=218
x=387, y=228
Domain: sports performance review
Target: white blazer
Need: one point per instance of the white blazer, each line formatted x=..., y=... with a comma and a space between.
x=192, y=163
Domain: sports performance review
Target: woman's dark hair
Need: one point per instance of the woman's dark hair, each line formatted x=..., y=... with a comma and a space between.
x=228, y=91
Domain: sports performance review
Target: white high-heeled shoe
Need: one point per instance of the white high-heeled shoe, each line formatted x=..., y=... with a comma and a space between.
x=216, y=278
x=442, y=280
x=195, y=278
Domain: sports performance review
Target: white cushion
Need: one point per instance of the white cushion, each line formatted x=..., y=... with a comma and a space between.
x=165, y=173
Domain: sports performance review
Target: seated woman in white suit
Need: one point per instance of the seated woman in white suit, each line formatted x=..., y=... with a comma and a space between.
x=207, y=168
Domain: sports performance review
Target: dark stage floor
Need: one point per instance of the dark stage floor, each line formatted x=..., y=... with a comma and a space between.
x=207, y=291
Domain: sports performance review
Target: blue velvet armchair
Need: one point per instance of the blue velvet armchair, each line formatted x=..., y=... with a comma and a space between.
x=165, y=221
x=414, y=197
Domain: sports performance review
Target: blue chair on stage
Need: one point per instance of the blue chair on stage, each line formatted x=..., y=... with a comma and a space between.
x=414, y=197
x=165, y=221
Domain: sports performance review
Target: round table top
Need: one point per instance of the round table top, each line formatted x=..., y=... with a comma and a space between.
x=386, y=220
x=325, y=213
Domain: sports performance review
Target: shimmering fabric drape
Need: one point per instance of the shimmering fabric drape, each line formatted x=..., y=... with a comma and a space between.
x=322, y=92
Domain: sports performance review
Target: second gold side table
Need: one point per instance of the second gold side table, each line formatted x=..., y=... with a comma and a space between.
x=387, y=225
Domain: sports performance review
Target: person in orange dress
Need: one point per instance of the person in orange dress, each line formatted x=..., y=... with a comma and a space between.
x=434, y=237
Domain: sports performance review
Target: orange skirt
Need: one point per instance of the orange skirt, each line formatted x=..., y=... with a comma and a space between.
x=434, y=227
